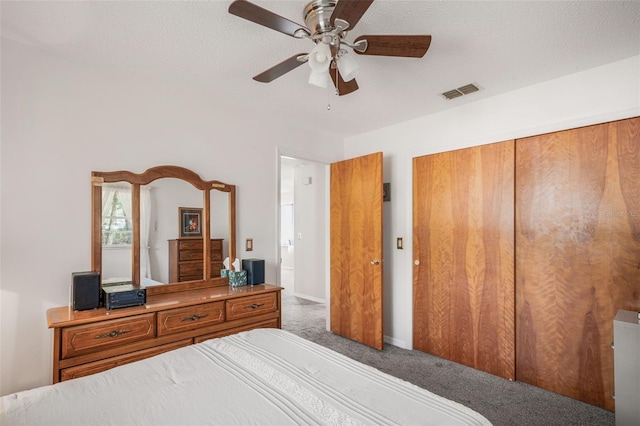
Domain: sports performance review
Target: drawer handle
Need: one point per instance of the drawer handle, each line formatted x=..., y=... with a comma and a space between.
x=254, y=306
x=114, y=333
x=195, y=317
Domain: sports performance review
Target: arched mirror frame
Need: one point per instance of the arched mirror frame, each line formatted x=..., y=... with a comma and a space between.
x=136, y=181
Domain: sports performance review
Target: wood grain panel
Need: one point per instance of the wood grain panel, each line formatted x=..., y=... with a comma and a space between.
x=271, y=323
x=251, y=306
x=577, y=255
x=104, y=365
x=184, y=319
x=356, y=241
x=464, y=243
x=83, y=339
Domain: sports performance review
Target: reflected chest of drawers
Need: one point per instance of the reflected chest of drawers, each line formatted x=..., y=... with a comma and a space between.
x=185, y=259
x=87, y=342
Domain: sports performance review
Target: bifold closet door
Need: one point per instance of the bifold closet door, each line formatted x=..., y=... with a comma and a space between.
x=463, y=300
x=577, y=255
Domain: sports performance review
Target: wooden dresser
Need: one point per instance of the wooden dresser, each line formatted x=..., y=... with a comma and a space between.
x=87, y=342
x=185, y=259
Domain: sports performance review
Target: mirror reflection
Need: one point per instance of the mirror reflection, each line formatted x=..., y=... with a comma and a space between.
x=168, y=195
x=140, y=231
x=219, y=208
x=116, y=226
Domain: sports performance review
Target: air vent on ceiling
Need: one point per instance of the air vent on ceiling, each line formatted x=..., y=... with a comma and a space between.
x=464, y=90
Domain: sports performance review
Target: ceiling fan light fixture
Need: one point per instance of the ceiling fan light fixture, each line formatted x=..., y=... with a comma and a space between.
x=319, y=78
x=320, y=57
x=348, y=67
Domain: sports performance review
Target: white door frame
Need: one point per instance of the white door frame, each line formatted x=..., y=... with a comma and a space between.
x=287, y=152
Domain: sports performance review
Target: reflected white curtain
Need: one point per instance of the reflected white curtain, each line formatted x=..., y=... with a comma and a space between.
x=145, y=227
x=108, y=193
x=125, y=199
x=107, y=202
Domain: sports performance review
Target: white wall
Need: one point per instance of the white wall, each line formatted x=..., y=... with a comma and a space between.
x=310, y=219
x=602, y=94
x=304, y=263
x=60, y=121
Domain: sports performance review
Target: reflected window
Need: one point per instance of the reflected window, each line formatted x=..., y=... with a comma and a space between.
x=116, y=217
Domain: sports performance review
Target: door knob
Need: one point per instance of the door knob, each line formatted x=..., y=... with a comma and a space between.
x=416, y=262
x=375, y=262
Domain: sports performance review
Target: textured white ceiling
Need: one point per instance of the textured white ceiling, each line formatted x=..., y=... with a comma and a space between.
x=499, y=45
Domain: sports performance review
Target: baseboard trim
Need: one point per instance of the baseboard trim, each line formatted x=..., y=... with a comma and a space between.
x=310, y=298
x=396, y=342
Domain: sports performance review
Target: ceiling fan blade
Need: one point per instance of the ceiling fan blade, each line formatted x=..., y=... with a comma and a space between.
x=343, y=87
x=350, y=10
x=254, y=13
x=281, y=69
x=408, y=46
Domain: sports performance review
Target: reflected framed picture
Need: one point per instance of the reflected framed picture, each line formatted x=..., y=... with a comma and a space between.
x=190, y=220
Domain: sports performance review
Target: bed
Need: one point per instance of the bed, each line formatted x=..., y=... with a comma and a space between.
x=259, y=377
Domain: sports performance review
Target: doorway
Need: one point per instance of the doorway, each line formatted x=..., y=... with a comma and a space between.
x=303, y=228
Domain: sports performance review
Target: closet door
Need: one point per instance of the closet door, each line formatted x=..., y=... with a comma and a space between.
x=577, y=255
x=463, y=291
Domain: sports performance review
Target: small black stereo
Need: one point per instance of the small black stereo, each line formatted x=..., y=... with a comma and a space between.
x=85, y=290
x=255, y=270
x=123, y=296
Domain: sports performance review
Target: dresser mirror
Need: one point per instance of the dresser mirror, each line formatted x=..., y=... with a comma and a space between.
x=135, y=222
x=116, y=238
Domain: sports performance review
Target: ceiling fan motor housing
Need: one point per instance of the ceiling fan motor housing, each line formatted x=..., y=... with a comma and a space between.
x=317, y=16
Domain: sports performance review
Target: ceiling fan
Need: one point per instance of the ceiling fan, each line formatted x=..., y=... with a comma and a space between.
x=327, y=22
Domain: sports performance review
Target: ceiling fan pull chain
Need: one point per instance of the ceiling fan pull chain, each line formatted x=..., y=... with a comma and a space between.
x=329, y=90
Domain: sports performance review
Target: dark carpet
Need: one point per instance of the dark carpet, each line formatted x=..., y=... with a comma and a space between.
x=502, y=402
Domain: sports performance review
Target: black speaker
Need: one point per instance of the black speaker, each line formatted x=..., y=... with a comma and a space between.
x=86, y=290
x=255, y=270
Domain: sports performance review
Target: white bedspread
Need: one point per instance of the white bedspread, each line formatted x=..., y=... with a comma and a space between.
x=258, y=377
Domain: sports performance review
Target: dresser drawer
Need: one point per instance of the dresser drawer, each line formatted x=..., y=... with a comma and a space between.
x=216, y=245
x=190, y=245
x=195, y=277
x=194, y=271
x=215, y=268
x=182, y=319
x=188, y=269
x=190, y=255
x=216, y=250
x=251, y=305
x=83, y=339
x=106, y=364
x=272, y=323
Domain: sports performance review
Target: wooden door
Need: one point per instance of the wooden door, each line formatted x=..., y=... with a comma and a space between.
x=356, y=249
x=577, y=255
x=463, y=297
